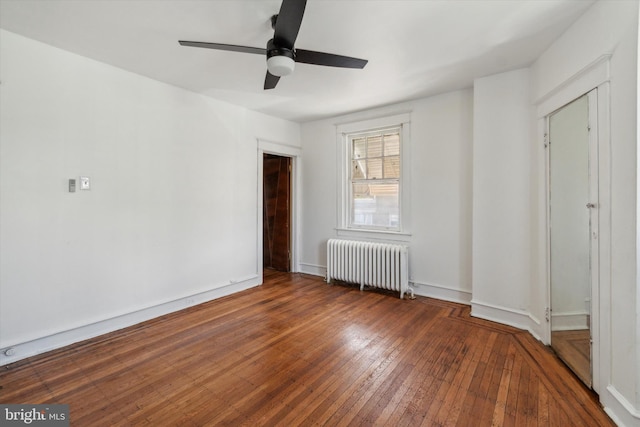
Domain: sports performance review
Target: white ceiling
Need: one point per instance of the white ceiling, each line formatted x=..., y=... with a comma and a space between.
x=415, y=48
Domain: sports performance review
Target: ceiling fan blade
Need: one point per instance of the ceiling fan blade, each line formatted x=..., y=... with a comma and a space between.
x=288, y=23
x=229, y=47
x=270, y=81
x=328, y=59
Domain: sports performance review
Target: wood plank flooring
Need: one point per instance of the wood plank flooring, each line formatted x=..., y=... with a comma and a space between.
x=574, y=349
x=297, y=351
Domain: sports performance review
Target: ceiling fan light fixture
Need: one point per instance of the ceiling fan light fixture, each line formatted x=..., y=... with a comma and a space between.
x=280, y=51
x=280, y=65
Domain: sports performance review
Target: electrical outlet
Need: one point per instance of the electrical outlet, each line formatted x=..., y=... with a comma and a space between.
x=85, y=183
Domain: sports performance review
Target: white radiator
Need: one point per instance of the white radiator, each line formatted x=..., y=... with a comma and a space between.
x=379, y=265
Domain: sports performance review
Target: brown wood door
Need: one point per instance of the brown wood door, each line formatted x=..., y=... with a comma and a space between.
x=276, y=212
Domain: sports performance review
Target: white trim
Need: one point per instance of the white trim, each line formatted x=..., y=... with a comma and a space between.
x=569, y=321
x=520, y=319
x=508, y=316
x=280, y=149
x=547, y=228
x=594, y=76
x=445, y=293
x=585, y=80
x=295, y=153
x=313, y=269
x=621, y=411
x=423, y=289
x=601, y=297
x=383, y=235
x=373, y=123
x=637, y=337
x=534, y=322
x=594, y=250
x=542, y=230
x=92, y=330
x=402, y=120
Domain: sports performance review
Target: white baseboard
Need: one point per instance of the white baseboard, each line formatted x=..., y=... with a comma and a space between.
x=313, y=269
x=507, y=316
x=51, y=342
x=571, y=321
x=420, y=288
x=441, y=292
x=623, y=413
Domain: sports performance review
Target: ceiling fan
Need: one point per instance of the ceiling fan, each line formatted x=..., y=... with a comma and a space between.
x=280, y=51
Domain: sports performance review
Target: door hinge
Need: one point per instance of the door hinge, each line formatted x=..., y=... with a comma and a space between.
x=546, y=141
x=547, y=314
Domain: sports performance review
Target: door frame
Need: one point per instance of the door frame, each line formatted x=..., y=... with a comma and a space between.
x=593, y=76
x=295, y=154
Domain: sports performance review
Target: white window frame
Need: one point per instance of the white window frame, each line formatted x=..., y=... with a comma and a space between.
x=396, y=180
x=343, y=132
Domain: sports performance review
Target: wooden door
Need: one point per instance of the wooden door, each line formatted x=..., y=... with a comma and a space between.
x=276, y=212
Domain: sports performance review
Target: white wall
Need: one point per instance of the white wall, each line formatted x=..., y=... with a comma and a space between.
x=501, y=209
x=610, y=27
x=172, y=212
x=440, y=241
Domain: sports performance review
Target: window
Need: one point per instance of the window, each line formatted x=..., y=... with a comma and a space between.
x=375, y=179
x=374, y=184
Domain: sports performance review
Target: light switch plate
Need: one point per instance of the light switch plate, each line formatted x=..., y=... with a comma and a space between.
x=85, y=183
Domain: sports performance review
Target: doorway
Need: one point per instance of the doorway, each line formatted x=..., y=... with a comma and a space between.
x=573, y=219
x=276, y=216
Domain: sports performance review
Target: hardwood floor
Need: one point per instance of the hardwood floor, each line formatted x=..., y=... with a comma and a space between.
x=574, y=349
x=297, y=351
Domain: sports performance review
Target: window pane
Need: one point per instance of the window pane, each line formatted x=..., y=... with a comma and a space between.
x=357, y=171
x=374, y=146
x=361, y=191
x=376, y=205
x=375, y=179
x=392, y=167
x=359, y=148
x=392, y=145
x=374, y=169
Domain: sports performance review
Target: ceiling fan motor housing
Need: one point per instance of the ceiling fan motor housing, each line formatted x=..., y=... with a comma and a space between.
x=280, y=60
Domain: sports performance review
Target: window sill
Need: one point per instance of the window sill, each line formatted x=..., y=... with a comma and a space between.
x=395, y=236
